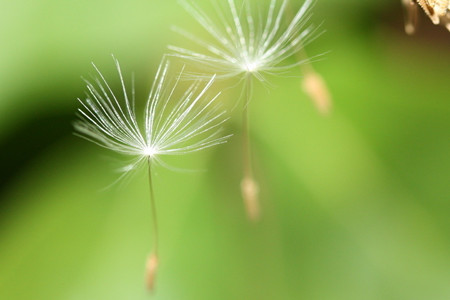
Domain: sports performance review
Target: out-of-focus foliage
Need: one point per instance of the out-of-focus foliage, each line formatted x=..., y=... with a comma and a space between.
x=356, y=204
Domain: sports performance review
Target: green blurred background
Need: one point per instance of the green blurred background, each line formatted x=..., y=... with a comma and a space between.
x=356, y=204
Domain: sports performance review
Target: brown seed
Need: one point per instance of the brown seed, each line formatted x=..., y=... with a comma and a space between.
x=250, y=191
x=314, y=85
x=151, y=268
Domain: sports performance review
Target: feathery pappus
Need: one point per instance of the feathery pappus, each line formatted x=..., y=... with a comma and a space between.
x=172, y=124
x=247, y=38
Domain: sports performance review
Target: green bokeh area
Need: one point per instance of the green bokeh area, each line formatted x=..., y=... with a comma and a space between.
x=355, y=204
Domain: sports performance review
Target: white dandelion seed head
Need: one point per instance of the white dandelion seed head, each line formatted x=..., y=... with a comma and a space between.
x=246, y=39
x=175, y=121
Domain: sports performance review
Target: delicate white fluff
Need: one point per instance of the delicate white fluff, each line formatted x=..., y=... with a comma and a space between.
x=247, y=40
x=172, y=124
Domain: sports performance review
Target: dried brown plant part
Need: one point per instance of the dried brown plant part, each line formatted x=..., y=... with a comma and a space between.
x=437, y=10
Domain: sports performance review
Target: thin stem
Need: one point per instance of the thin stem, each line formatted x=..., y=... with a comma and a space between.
x=153, y=208
x=248, y=172
x=249, y=186
x=151, y=266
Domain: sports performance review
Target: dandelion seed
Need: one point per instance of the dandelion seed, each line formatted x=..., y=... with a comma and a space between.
x=249, y=43
x=172, y=125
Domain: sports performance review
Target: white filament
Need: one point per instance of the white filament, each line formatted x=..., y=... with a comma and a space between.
x=172, y=124
x=245, y=40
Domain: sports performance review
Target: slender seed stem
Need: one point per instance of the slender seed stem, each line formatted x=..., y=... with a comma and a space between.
x=248, y=172
x=249, y=186
x=153, y=208
x=152, y=260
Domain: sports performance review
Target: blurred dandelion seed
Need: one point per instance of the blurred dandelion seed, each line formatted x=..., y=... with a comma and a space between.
x=248, y=43
x=172, y=125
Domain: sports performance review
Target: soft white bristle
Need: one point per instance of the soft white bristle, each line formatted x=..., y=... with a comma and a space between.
x=246, y=40
x=173, y=124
